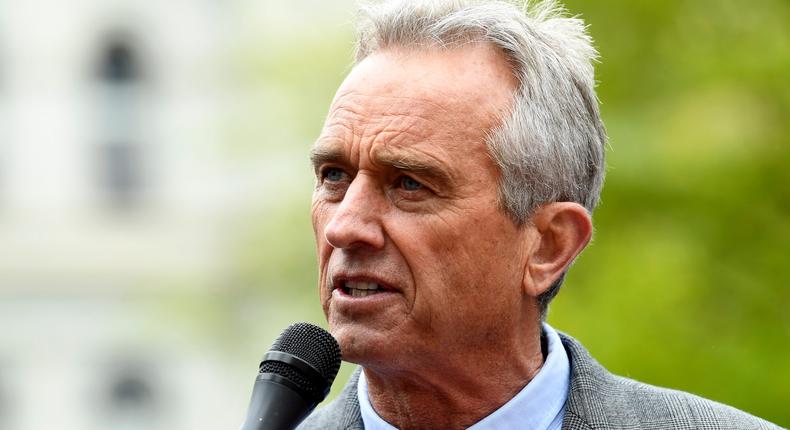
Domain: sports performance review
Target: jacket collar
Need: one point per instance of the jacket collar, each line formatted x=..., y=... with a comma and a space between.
x=585, y=399
x=588, y=378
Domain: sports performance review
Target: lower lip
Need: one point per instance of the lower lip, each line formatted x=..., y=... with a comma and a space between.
x=343, y=299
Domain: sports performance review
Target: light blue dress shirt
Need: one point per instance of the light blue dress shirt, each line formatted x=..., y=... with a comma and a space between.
x=540, y=405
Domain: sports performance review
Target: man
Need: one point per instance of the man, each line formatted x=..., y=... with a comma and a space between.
x=455, y=179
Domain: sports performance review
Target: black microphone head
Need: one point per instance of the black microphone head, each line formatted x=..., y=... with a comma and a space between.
x=313, y=346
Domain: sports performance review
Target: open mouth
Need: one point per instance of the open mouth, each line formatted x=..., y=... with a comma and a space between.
x=361, y=289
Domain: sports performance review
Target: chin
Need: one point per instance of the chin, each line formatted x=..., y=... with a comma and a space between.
x=358, y=347
x=352, y=347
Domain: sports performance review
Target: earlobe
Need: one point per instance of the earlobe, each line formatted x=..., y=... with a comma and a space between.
x=560, y=231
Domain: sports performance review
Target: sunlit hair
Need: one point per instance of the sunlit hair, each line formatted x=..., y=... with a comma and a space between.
x=550, y=147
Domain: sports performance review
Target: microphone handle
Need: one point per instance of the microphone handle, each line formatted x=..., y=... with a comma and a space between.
x=275, y=406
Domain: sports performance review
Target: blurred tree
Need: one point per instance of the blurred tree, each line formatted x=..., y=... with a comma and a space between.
x=686, y=283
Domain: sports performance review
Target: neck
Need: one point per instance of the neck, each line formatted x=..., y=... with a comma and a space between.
x=450, y=393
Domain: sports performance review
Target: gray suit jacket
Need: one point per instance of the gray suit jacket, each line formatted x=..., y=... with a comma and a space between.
x=597, y=400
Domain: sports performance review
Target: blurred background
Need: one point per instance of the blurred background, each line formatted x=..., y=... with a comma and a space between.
x=155, y=189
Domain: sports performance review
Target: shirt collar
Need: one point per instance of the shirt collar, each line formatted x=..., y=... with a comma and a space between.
x=539, y=405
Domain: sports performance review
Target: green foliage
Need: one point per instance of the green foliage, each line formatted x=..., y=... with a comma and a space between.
x=686, y=282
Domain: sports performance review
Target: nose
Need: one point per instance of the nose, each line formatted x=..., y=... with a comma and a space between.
x=356, y=222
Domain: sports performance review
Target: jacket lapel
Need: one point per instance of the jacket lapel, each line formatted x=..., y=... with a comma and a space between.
x=590, y=395
x=586, y=404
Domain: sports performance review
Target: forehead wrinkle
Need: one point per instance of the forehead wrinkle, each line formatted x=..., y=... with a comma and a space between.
x=401, y=130
x=388, y=121
x=426, y=101
x=343, y=131
x=381, y=112
x=342, y=117
x=331, y=132
x=388, y=98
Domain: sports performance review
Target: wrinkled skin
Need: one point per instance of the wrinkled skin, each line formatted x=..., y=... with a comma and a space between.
x=407, y=197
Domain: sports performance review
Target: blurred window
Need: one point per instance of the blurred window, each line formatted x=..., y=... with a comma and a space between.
x=120, y=63
x=120, y=173
x=130, y=401
x=119, y=155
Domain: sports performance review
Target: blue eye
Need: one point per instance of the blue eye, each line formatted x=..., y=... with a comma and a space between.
x=333, y=174
x=410, y=184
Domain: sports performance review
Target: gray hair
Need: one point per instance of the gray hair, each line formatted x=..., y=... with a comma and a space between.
x=550, y=147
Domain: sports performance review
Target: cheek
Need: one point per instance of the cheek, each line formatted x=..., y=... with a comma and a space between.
x=468, y=257
x=447, y=243
x=320, y=216
x=435, y=252
x=317, y=216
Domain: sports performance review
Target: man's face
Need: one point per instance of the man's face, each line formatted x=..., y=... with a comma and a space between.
x=416, y=258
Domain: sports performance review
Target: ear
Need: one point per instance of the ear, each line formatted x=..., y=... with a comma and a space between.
x=560, y=231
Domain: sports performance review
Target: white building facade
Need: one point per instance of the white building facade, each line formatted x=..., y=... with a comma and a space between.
x=113, y=118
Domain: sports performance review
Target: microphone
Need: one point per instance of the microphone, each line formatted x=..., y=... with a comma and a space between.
x=294, y=376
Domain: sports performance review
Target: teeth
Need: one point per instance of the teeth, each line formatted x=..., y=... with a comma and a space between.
x=353, y=285
x=361, y=289
x=362, y=293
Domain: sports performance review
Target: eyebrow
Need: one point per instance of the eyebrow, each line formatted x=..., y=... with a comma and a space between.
x=423, y=168
x=321, y=155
